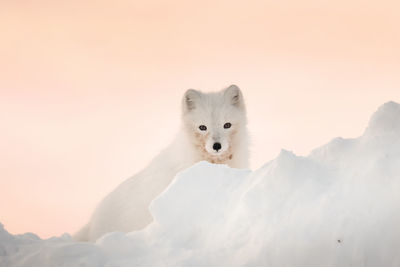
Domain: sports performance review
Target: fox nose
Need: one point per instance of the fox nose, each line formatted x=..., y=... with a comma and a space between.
x=217, y=146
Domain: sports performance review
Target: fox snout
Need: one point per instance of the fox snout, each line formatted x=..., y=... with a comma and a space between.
x=217, y=146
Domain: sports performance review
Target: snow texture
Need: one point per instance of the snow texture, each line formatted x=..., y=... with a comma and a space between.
x=340, y=206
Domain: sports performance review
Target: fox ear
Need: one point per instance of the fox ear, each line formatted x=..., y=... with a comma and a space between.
x=234, y=95
x=190, y=98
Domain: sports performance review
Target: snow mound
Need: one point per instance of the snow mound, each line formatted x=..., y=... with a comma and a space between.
x=340, y=206
x=386, y=120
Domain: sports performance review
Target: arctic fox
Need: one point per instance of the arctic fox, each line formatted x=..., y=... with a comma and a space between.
x=213, y=129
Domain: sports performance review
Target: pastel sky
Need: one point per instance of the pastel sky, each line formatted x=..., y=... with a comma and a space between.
x=90, y=90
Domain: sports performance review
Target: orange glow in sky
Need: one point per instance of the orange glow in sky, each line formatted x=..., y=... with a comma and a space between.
x=90, y=90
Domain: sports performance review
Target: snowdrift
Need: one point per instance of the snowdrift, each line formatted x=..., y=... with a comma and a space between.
x=340, y=206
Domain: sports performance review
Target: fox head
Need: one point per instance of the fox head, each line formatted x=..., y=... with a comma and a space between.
x=215, y=122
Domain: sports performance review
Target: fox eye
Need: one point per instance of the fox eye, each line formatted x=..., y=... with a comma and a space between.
x=227, y=125
x=203, y=128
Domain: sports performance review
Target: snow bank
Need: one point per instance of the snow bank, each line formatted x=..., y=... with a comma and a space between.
x=340, y=206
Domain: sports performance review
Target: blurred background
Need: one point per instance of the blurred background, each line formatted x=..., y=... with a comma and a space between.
x=90, y=90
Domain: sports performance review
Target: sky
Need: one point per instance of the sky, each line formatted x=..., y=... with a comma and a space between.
x=90, y=91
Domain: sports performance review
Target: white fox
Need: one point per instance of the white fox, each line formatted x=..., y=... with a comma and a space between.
x=213, y=129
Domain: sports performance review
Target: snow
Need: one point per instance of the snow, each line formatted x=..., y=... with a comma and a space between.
x=340, y=206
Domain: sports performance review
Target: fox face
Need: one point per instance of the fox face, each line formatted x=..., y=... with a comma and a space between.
x=213, y=122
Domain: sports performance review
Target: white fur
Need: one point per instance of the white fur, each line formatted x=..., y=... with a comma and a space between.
x=126, y=208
